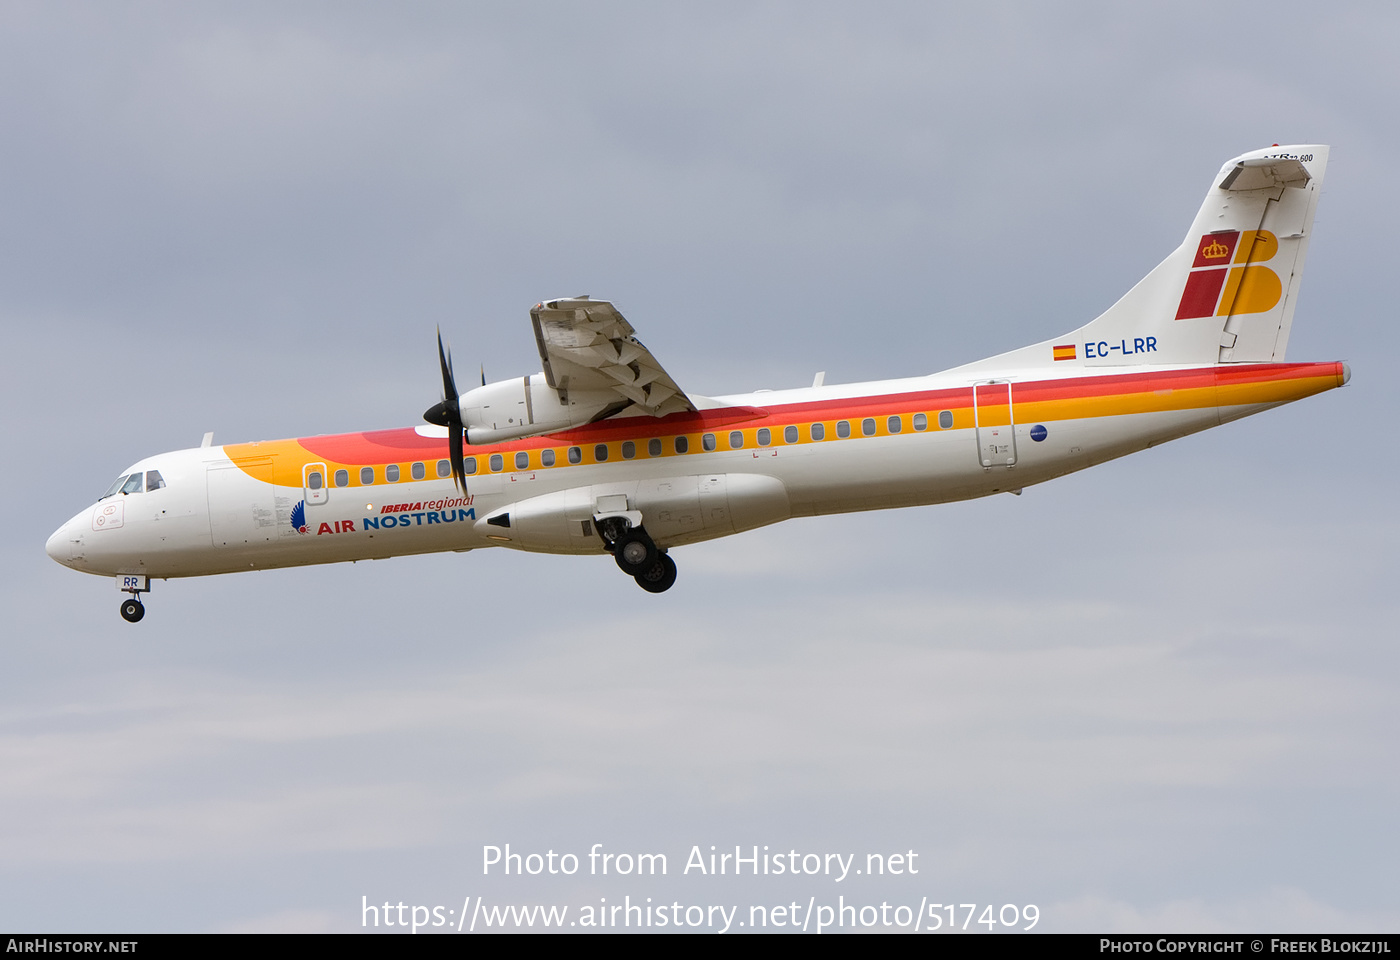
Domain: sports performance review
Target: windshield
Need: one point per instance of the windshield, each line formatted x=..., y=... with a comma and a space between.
x=125, y=484
x=116, y=485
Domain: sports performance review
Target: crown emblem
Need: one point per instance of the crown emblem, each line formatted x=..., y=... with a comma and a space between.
x=1215, y=250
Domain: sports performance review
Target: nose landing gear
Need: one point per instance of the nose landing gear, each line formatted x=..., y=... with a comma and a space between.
x=133, y=609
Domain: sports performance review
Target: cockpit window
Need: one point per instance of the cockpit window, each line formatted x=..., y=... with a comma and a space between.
x=133, y=484
x=154, y=481
x=114, y=488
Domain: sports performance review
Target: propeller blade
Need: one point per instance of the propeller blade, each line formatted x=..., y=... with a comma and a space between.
x=454, y=450
x=448, y=413
x=449, y=382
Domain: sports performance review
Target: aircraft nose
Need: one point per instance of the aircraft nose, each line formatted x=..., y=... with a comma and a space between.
x=57, y=547
x=60, y=545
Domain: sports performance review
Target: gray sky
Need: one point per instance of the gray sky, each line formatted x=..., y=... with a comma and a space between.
x=1157, y=695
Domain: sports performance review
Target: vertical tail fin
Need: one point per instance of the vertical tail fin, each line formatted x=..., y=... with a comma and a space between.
x=1262, y=209
x=1227, y=294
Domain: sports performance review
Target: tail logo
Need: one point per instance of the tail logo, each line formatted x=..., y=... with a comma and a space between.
x=1214, y=250
x=1215, y=290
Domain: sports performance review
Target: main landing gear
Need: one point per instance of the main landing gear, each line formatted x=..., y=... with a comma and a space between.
x=637, y=555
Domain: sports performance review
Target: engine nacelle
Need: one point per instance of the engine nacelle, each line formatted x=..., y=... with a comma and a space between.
x=528, y=407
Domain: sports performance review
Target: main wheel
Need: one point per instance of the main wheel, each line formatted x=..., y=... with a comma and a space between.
x=635, y=553
x=660, y=578
x=133, y=610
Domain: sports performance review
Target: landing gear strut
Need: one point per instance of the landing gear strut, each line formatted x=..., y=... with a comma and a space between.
x=637, y=555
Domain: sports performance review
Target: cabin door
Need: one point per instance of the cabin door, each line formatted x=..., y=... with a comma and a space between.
x=996, y=424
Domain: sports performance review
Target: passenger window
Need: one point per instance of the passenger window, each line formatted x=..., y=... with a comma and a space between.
x=867, y=427
x=600, y=452
x=708, y=441
x=468, y=466
x=497, y=463
x=366, y=475
x=313, y=480
x=391, y=473
x=895, y=424
x=153, y=480
x=682, y=444
x=629, y=449
x=736, y=439
x=522, y=460
x=575, y=455
x=654, y=447
x=342, y=477
x=133, y=484
x=547, y=458
x=843, y=429
x=920, y=421
x=818, y=431
x=945, y=419
x=764, y=437
x=789, y=434
x=444, y=468
x=418, y=471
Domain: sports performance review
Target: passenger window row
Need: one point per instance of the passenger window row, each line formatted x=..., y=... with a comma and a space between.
x=601, y=452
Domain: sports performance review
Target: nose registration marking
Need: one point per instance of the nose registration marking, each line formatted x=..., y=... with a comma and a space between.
x=129, y=582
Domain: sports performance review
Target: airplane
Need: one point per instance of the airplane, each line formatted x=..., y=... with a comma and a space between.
x=602, y=452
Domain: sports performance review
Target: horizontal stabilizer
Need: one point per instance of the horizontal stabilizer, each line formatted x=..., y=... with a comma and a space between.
x=1264, y=174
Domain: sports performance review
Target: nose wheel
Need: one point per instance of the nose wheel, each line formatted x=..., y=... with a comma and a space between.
x=133, y=610
x=134, y=584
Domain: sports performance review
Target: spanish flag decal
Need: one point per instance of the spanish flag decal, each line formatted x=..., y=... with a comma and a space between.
x=1065, y=352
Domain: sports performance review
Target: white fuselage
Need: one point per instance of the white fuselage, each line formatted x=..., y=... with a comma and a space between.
x=230, y=508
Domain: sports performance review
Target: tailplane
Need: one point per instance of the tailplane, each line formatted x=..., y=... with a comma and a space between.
x=1227, y=294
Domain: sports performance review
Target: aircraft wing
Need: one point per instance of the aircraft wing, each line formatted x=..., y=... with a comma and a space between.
x=587, y=345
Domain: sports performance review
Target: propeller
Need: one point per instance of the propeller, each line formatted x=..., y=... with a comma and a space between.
x=449, y=414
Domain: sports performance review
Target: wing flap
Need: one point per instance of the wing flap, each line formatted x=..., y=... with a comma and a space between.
x=586, y=344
